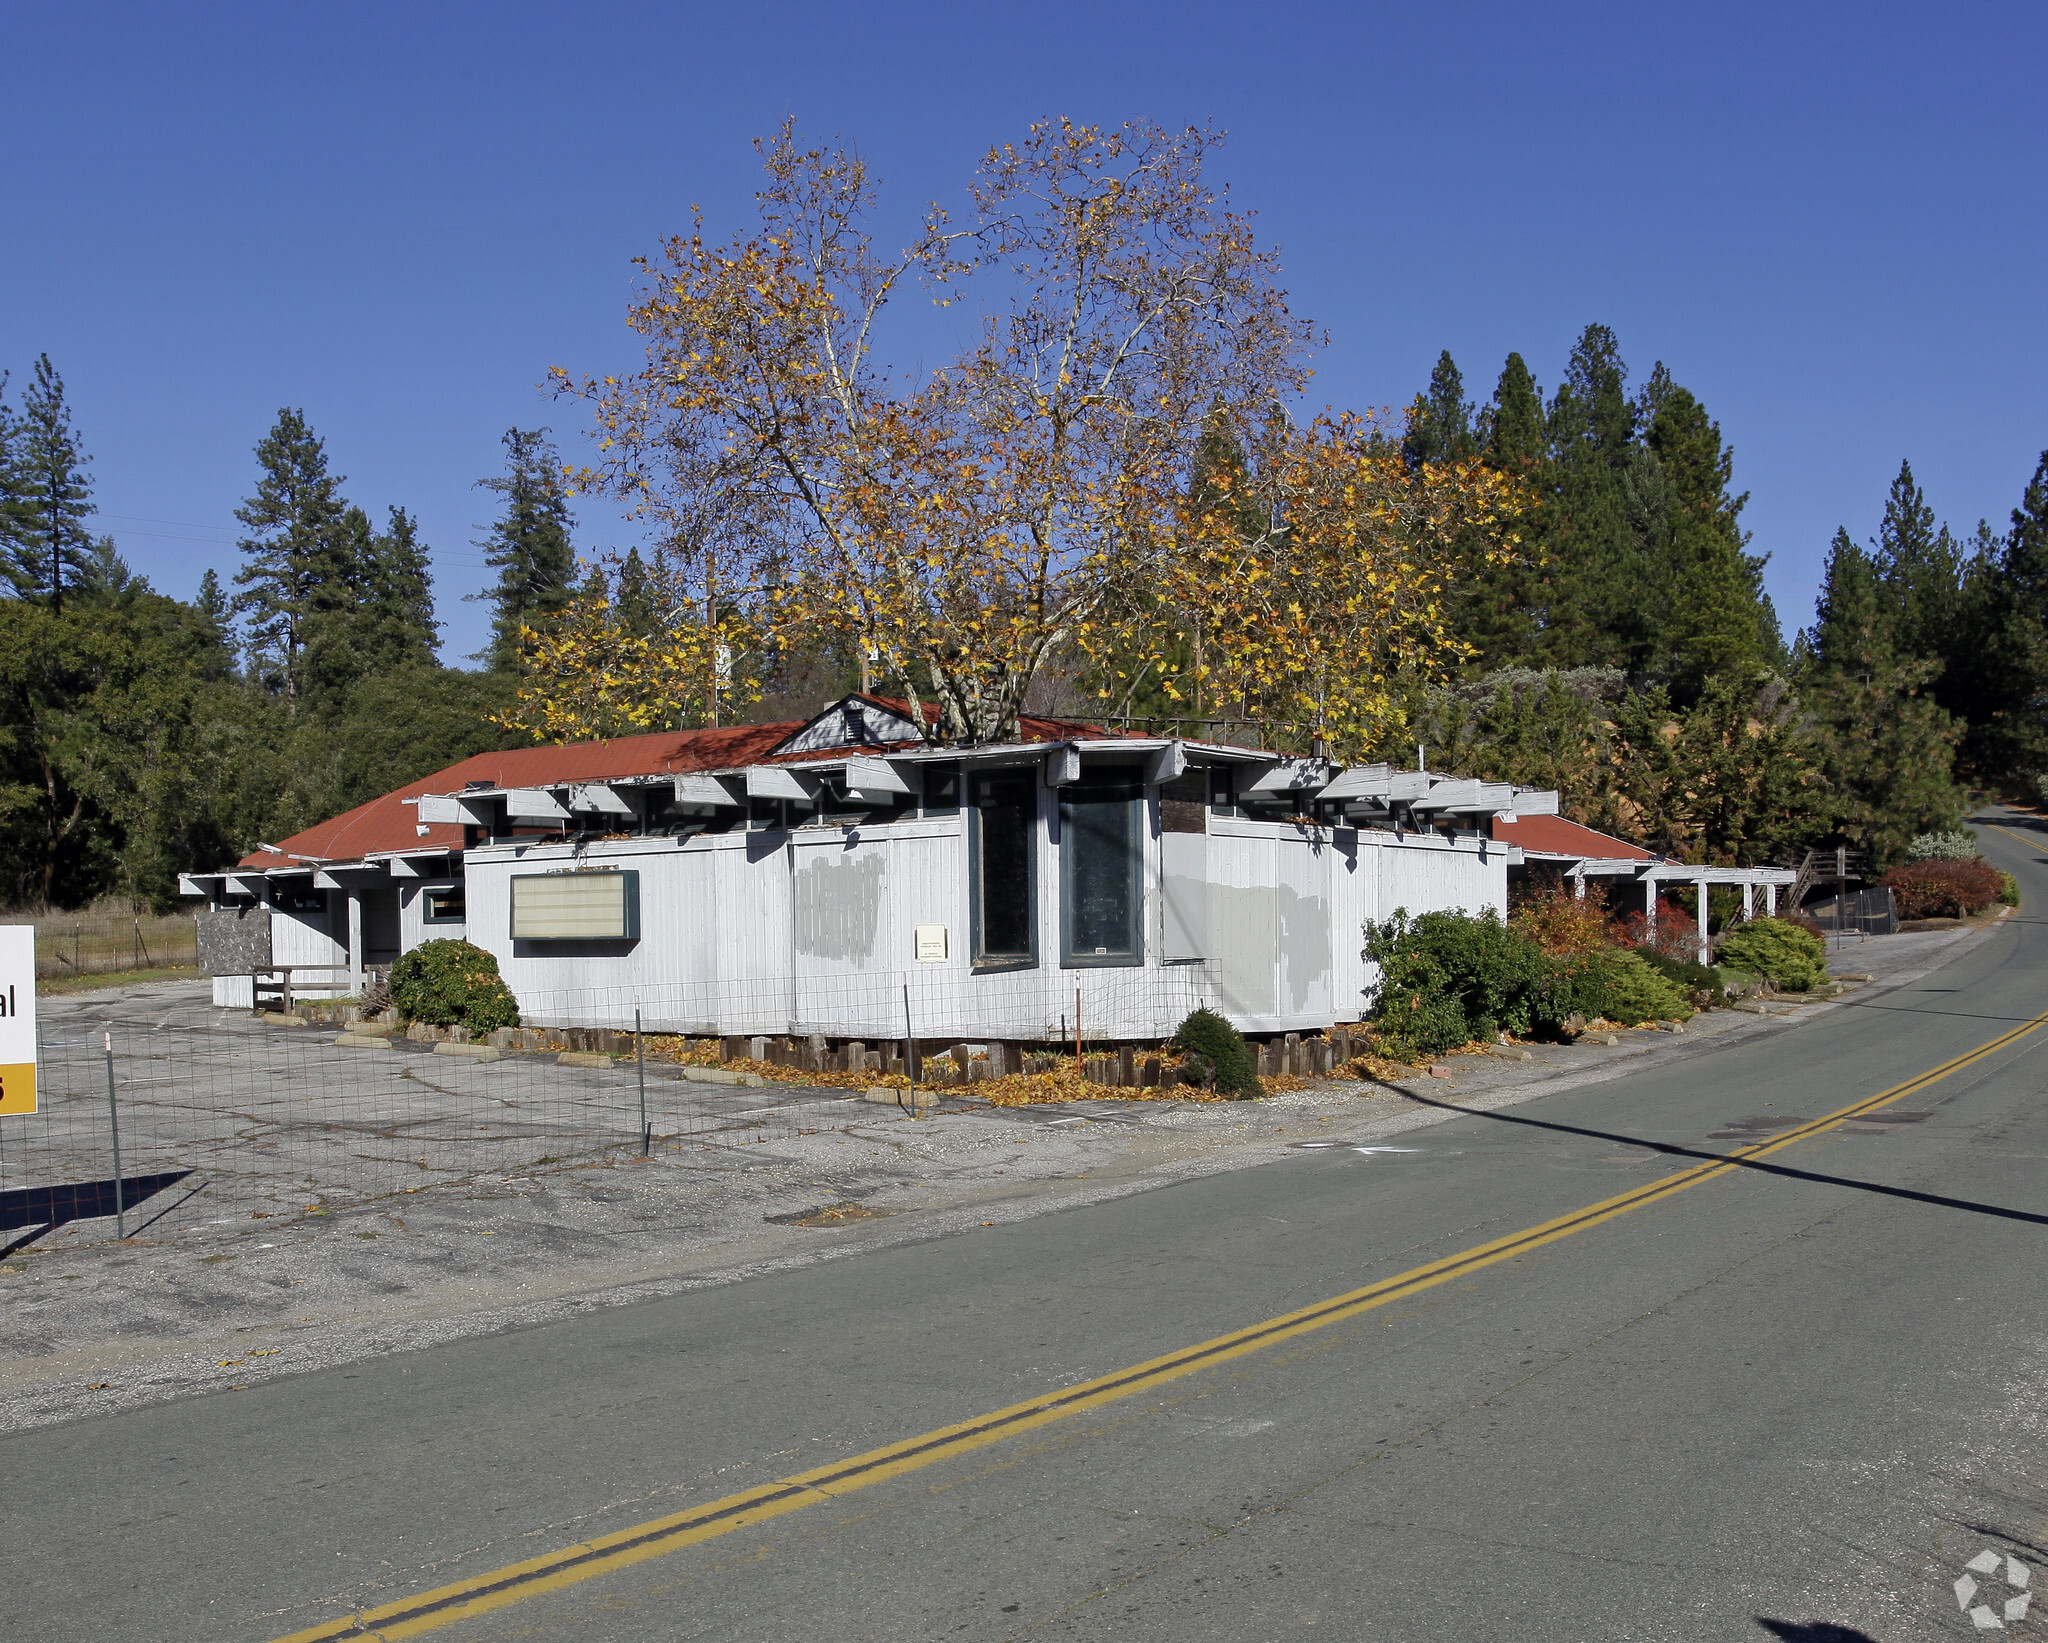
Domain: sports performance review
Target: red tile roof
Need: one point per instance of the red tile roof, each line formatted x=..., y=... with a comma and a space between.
x=1554, y=836
x=388, y=823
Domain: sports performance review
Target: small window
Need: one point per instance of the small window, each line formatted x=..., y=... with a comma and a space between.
x=442, y=906
x=1002, y=865
x=1222, y=790
x=764, y=815
x=1102, y=873
x=298, y=898
x=942, y=790
x=1181, y=803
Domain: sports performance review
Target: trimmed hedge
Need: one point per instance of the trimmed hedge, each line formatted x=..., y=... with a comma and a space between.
x=1944, y=889
x=1623, y=986
x=452, y=984
x=1222, y=1046
x=1793, y=958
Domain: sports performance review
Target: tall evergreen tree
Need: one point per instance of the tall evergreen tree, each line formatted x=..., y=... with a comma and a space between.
x=301, y=551
x=1921, y=567
x=1718, y=621
x=1440, y=423
x=1601, y=607
x=1888, y=748
x=47, y=495
x=398, y=603
x=1512, y=428
x=529, y=546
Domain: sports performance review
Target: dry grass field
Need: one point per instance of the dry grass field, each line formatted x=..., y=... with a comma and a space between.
x=108, y=936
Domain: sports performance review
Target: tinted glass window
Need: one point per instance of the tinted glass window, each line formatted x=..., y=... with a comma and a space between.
x=1005, y=804
x=941, y=789
x=1102, y=860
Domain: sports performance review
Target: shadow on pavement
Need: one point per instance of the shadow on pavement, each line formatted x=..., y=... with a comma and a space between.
x=1813, y=1631
x=1672, y=1149
x=51, y=1207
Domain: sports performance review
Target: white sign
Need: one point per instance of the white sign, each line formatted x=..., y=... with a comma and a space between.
x=929, y=940
x=17, y=1018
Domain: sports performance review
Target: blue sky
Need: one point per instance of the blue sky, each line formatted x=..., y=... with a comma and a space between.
x=1827, y=220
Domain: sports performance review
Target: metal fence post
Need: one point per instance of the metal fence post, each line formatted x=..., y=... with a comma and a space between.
x=909, y=1046
x=640, y=1066
x=114, y=1118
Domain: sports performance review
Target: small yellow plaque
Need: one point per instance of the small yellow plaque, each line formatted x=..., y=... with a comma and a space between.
x=18, y=1088
x=929, y=943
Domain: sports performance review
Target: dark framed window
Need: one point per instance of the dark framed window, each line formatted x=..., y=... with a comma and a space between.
x=298, y=898
x=442, y=905
x=1222, y=790
x=1002, y=865
x=1102, y=873
x=764, y=815
x=942, y=790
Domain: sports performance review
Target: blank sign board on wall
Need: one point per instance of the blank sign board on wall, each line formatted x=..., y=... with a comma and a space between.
x=576, y=907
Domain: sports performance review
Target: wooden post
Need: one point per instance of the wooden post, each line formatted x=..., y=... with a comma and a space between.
x=355, y=943
x=1748, y=901
x=1771, y=901
x=1703, y=920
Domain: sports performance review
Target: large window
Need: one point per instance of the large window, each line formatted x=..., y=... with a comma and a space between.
x=1003, y=868
x=596, y=906
x=1102, y=872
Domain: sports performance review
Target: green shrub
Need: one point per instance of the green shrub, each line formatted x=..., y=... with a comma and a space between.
x=2008, y=889
x=1222, y=1046
x=1687, y=977
x=1792, y=957
x=452, y=984
x=1624, y=986
x=1448, y=978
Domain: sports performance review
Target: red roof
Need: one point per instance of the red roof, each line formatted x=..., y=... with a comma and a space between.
x=388, y=823
x=1554, y=836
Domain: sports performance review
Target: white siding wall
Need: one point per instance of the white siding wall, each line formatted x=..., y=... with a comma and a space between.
x=812, y=932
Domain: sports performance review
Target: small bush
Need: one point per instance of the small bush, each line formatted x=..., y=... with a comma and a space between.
x=1560, y=922
x=2008, y=889
x=1684, y=974
x=1625, y=987
x=1676, y=936
x=452, y=984
x=1792, y=957
x=1943, y=888
x=1206, y=1034
x=1448, y=978
x=1957, y=846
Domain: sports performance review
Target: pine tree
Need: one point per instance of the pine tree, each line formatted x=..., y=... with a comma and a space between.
x=212, y=602
x=1887, y=747
x=1920, y=565
x=1718, y=620
x=1440, y=422
x=300, y=555
x=398, y=603
x=107, y=578
x=1853, y=629
x=47, y=496
x=1512, y=427
x=529, y=545
x=1601, y=608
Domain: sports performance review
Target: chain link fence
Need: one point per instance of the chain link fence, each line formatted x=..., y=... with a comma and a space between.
x=203, y=1116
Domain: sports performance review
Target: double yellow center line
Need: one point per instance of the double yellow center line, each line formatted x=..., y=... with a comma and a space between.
x=603, y=1554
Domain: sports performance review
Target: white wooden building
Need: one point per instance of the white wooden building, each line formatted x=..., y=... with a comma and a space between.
x=842, y=877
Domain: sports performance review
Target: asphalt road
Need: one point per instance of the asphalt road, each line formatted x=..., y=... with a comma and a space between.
x=1788, y=1402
